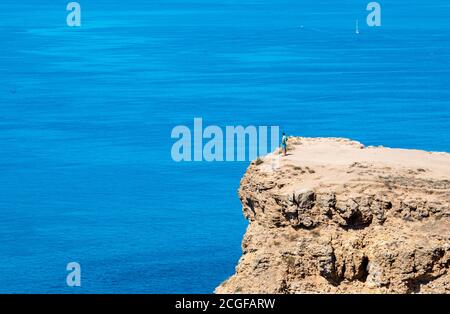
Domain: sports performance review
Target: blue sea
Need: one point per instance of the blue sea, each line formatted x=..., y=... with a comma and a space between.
x=86, y=115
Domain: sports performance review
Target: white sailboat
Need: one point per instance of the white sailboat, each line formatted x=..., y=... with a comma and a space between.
x=357, y=27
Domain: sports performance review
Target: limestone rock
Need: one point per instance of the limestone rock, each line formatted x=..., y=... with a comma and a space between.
x=338, y=217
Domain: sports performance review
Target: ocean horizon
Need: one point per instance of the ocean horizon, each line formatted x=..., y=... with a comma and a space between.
x=87, y=113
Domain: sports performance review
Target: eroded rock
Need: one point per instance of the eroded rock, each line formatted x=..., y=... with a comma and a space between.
x=369, y=225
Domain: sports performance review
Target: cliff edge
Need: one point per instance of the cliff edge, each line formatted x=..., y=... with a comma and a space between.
x=337, y=217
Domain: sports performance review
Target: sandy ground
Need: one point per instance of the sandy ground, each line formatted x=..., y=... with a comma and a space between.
x=329, y=156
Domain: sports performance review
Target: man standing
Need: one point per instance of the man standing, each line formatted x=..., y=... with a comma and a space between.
x=284, y=143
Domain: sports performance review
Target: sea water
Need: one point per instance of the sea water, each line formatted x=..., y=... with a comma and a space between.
x=86, y=113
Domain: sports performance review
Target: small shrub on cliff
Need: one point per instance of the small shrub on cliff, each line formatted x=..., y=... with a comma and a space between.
x=258, y=161
x=290, y=261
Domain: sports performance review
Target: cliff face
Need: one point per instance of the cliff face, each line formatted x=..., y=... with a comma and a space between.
x=336, y=217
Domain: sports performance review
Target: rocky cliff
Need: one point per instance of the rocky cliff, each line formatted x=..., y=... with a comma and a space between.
x=337, y=217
